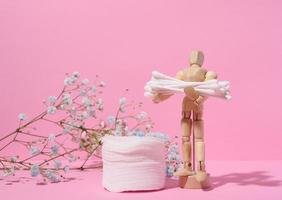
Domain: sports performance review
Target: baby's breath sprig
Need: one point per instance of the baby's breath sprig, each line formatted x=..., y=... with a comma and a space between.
x=74, y=114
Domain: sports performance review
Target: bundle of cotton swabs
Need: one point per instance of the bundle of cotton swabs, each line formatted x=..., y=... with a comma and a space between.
x=166, y=85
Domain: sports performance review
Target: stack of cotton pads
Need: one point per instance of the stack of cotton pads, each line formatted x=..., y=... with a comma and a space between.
x=132, y=163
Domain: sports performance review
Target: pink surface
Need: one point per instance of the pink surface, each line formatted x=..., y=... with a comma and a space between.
x=125, y=40
x=258, y=180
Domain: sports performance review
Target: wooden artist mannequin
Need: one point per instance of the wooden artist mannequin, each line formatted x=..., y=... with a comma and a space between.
x=192, y=122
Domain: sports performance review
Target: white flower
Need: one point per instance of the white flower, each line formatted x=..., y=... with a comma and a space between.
x=122, y=109
x=169, y=171
x=51, y=137
x=57, y=163
x=67, y=99
x=162, y=136
x=82, y=92
x=117, y=132
x=84, y=115
x=51, y=110
x=69, y=80
x=86, y=101
x=73, y=110
x=52, y=176
x=9, y=171
x=94, y=88
x=66, y=130
x=52, y=99
x=69, y=127
x=66, y=169
x=111, y=119
x=100, y=104
x=173, y=148
x=122, y=101
x=83, y=135
x=149, y=126
x=22, y=117
x=100, y=101
x=76, y=74
x=34, y=170
x=177, y=157
x=72, y=158
x=118, y=126
x=142, y=115
x=102, y=84
x=139, y=133
x=55, y=149
x=126, y=130
x=171, y=156
x=85, y=81
x=34, y=150
x=66, y=96
x=102, y=124
x=62, y=106
x=90, y=111
x=13, y=158
x=101, y=107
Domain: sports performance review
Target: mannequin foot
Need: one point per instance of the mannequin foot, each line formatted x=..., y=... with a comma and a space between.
x=201, y=176
x=184, y=172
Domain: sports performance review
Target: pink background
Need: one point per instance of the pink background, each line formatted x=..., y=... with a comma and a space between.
x=123, y=41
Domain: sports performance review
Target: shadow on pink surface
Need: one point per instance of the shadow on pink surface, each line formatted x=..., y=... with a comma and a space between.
x=258, y=178
x=171, y=183
x=26, y=180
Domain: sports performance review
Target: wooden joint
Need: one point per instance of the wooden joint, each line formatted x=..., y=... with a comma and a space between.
x=185, y=139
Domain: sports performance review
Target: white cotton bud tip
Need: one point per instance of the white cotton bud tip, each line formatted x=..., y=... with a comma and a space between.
x=223, y=83
x=228, y=96
x=150, y=83
x=156, y=74
x=226, y=87
x=166, y=85
x=212, y=81
x=222, y=89
x=147, y=88
x=148, y=94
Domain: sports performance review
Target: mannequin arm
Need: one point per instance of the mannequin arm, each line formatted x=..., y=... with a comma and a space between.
x=209, y=76
x=161, y=97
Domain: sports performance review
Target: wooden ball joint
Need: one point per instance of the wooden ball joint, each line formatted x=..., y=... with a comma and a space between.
x=193, y=175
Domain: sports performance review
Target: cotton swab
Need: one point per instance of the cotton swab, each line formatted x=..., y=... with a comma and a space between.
x=166, y=85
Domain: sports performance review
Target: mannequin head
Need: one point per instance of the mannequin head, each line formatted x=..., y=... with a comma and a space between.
x=196, y=57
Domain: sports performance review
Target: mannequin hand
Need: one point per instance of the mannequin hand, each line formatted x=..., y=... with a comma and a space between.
x=196, y=106
x=159, y=98
x=200, y=100
x=191, y=93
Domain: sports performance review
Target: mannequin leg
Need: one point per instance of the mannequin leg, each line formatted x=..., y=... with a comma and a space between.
x=198, y=125
x=186, y=125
